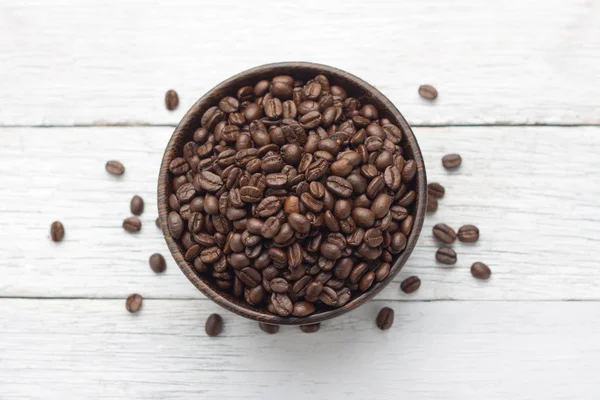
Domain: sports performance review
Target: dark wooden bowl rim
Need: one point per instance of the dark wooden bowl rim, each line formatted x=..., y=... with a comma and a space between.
x=191, y=120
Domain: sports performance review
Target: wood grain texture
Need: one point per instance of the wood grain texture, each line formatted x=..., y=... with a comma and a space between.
x=96, y=349
x=529, y=62
x=530, y=191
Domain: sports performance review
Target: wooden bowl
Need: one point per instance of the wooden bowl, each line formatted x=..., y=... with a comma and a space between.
x=299, y=70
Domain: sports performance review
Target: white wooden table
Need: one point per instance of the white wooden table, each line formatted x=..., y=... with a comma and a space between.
x=519, y=83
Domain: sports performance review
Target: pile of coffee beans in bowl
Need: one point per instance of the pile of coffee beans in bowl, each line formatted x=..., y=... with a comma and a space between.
x=293, y=196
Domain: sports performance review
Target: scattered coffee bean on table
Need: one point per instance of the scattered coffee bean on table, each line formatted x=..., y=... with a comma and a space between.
x=410, y=284
x=285, y=182
x=435, y=190
x=444, y=233
x=157, y=263
x=268, y=328
x=57, y=231
x=157, y=222
x=428, y=92
x=451, y=161
x=137, y=205
x=432, y=204
x=115, y=167
x=132, y=224
x=171, y=100
x=385, y=318
x=480, y=271
x=214, y=325
x=446, y=255
x=310, y=328
x=133, y=303
x=468, y=233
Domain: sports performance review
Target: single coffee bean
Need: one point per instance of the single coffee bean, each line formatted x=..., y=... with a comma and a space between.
x=157, y=263
x=133, y=303
x=468, y=233
x=214, y=325
x=428, y=92
x=339, y=186
x=366, y=281
x=132, y=224
x=310, y=328
x=398, y=243
x=409, y=171
x=115, y=168
x=392, y=177
x=268, y=206
x=137, y=205
x=328, y=296
x=444, y=233
x=381, y=205
x=373, y=237
x=311, y=203
x=303, y=308
x=171, y=100
x=480, y=271
x=385, y=318
x=175, y=224
x=410, y=284
x=268, y=328
x=451, y=161
x=432, y=204
x=382, y=271
x=210, y=181
x=279, y=285
x=435, y=190
x=57, y=231
x=363, y=217
x=157, y=222
x=250, y=276
x=406, y=225
x=330, y=251
x=446, y=255
x=282, y=304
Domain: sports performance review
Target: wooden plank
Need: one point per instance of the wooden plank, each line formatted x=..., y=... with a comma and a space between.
x=530, y=191
x=528, y=62
x=443, y=350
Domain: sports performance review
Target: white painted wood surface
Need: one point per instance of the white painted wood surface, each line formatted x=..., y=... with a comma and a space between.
x=530, y=332
x=442, y=350
x=68, y=62
x=535, y=204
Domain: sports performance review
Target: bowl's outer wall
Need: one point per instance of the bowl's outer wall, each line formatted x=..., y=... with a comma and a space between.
x=304, y=71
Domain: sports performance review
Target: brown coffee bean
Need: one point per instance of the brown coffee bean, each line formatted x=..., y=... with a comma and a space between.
x=428, y=92
x=268, y=206
x=444, y=233
x=311, y=328
x=282, y=304
x=410, y=284
x=385, y=318
x=57, y=231
x=229, y=104
x=115, y=168
x=171, y=100
x=398, y=243
x=432, y=204
x=328, y=296
x=363, y=217
x=311, y=203
x=381, y=205
x=299, y=222
x=214, y=325
x=210, y=181
x=451, y=161
x=210, y=255
x=132, y=224
x=303, y=308
x=468, y=233
x=366, y=281
x=435, y=190
x=409, y=171
x=157, y=263
x=279, y=285
x=175, y=224
x=373, y=237
x=339, y=186
x=480, y=271
x=249, y=276
x=268, y=328
x=446, y=255
x=406, y=225
x=382, y=271
x=133, y=303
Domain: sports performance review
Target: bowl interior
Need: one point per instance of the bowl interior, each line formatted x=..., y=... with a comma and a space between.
x=304, y=71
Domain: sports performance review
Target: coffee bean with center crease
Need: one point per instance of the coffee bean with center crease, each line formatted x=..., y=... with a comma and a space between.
x=446, y=255
x=432, y=204
x=175, y=224
x=451, y=161
x=137, y=205
x=428, y=92
x=57, y=231
x=132, y=224
x=339, y=186
x=214, y=325
x=480, y=271
x=250, y=276
x=268, y=206
x=133, y=303
x=157, y=263
x=444, y=233
x=385, y=318
x=282, y=304
x=468, y=233
x=210, y=181
x=410, y=284
x=436, y=190
x=114, y=167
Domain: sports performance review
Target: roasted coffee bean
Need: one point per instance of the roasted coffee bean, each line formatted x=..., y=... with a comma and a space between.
x=57, y=231
x=210, y=181
x=363, y=217
x=385, y=318
x=211, y=118
x=310, y=328
x=398, y=243
x=157, y=222
x=410, y=284
x=381, y=205
x=157, y=263
x=432, y=204
x=409, y=171
x=451, y=161
x=373, y=237
x=175, y=224
x=303, y=308
x=382, y=271
x=468, y=233
x=115, y=168
x=171, y=100
x=214, y=325
x=392, y=177
x=480, y=271
x=299, y=222
x=375, y=187
x=132, y=224
x=282, y=304
x=339, y=186
x=435, y=190
x=276, y=180
x=229, y=104
x=342, y=209
x=268, y=206
x=444, y=233
x=285, y=234
x=398, y=213
x=268, y=328
x=186, y=193
x=311, y=203
x=279, y=285
x=249, y=276
x=446, y=255
x=210, y=255
x=330, y=251
x=328, y=296
x=428, y=92
x=366, y=281
x=133, y=303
